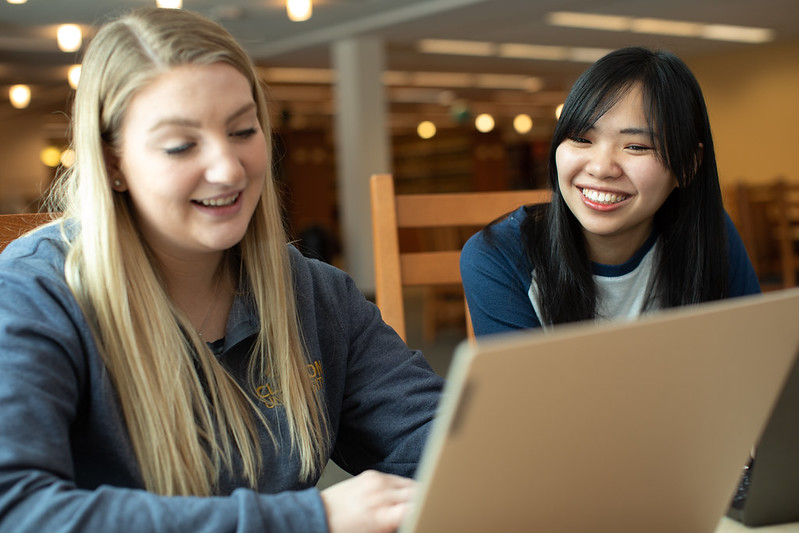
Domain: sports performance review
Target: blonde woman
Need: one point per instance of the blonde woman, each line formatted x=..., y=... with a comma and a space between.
x=169, y=363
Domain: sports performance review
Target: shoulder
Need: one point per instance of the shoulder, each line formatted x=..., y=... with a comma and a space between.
x=735, y=246
x=309, y=272
x=500, y=238
x=38, y=254
x=742, y=277
x=322, y=289
x=37, y=306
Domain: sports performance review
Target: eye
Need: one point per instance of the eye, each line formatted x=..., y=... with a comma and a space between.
x=579, y=140
x=244, y=134
x=638, y=148
x=180, y=149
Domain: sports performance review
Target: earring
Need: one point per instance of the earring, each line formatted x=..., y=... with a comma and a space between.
x=117, y=183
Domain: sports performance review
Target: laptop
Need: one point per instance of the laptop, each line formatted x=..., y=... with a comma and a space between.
x=769, y=492
x=630, y=426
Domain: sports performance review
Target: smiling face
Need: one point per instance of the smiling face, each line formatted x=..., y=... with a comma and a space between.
x=613, y=181
x=193, y=158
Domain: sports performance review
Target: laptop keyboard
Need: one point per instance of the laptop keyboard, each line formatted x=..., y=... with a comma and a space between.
x=739, y=500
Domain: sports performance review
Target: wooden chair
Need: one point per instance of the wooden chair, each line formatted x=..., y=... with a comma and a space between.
x=395, y=269
x=12, y=226
x=757, y=220
x=768, y=219
x=787, y=201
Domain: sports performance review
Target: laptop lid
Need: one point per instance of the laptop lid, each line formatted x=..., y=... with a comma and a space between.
x=771, y=494
x=603, y=426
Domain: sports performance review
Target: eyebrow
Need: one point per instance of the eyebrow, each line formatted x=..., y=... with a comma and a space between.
x=636, y=131
x=180, y=121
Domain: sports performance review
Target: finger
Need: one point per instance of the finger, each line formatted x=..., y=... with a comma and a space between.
x=390, y=518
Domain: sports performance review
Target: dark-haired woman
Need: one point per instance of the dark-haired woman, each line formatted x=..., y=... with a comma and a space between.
x=636, y=222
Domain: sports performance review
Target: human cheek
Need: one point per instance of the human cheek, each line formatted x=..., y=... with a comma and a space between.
x=565, y=164
x=651, y=176
x=254, y=157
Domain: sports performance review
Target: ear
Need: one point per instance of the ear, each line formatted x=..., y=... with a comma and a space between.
x=699, y=154
x=112, y=165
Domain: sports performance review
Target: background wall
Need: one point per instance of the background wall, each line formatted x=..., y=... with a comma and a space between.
x=22, y=175
x=753, y=101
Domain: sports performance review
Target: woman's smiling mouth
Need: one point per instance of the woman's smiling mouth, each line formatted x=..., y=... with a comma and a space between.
x=219, y=202
x=604, y=198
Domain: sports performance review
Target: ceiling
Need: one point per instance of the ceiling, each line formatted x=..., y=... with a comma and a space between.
x=29, y=54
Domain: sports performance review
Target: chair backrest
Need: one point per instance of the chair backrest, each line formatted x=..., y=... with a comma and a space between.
x=768, y=219
x=757, y=222
x=12, y=226
x=787, y=198
x=390, y=212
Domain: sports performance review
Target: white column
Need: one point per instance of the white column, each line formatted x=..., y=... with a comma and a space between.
x=362, y=147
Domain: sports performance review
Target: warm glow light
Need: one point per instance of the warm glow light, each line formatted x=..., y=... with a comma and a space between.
x=299, y=10
x=20, y=96
x=16, y=1
x=68, y=157
x=656, y=26
x=558, y=111
x=589, y=21
x=534, y=51
x=509, y=50
x=466, y=48
x=502, y=81
x=522, y=123
x=721, y=32
x=73, y=76
x=426, y=129
x=50, y=156
x=484, y=123
x=170, y=4
x=69, y=37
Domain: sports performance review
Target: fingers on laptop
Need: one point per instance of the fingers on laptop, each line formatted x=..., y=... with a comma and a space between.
x=371, y=502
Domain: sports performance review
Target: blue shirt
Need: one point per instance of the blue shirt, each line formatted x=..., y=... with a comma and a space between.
x=498, y=278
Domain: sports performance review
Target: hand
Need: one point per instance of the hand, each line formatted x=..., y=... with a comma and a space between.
x=371, y=502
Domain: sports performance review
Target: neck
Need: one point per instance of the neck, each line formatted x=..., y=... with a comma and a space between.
x=615, y=249
x=203, y=291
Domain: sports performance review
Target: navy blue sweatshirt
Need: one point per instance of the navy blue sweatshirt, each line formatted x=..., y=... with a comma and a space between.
x=66, y=459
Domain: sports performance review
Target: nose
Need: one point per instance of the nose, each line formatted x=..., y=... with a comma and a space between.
x=225, y=166
x=602, y=163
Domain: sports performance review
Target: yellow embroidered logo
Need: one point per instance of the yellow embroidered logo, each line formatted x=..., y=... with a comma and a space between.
x=315, y=373
x=271, y=397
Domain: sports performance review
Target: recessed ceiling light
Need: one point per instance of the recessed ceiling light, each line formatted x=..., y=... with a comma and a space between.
x=169, y=4
x=19, y=96
x=69, y=37
x=73, y=76
x=426, y=129
x=299, y=10
x=484, y=123
x=522, y=123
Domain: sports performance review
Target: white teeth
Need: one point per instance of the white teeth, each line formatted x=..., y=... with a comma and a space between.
x=219, y=202
x=603, y=197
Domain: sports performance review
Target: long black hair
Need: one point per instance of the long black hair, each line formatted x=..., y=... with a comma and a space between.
x=692, y=264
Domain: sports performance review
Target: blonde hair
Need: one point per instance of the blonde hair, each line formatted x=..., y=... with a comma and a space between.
x=185, y=413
